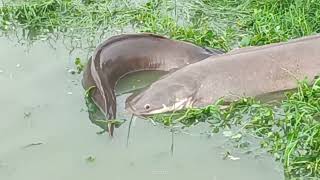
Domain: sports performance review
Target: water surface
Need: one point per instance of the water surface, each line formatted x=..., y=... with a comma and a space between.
x=42, y=103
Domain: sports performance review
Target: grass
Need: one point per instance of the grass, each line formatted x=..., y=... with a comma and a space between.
x=223, y=24
x=290, y=132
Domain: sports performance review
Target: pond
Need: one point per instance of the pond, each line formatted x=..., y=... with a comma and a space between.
x=45, y=132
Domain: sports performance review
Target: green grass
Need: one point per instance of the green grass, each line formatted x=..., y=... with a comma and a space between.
x=274, y=20
x=214, y=23
x=291, y=132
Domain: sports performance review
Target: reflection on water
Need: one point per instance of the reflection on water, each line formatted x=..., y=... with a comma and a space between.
x=46, y=134
x=137, y=80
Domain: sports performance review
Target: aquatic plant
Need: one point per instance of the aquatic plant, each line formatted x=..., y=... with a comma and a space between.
x=214, y=23
x=96, y=116
x=290, y=131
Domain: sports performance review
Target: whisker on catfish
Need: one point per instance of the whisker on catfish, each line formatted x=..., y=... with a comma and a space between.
x=129, y=129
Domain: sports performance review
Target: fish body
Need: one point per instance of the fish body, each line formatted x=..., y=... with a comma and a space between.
x=241, y=73
x=127, y=53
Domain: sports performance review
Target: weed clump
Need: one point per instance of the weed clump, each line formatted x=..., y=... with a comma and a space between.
x=290, y=131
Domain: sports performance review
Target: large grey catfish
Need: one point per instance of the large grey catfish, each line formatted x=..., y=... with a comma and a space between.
x=127, y=53
x=249, y=71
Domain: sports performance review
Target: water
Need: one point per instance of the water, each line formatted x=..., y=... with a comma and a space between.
x=137, y=80
x=41, y=102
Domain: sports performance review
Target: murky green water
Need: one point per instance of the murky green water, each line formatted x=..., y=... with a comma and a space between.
x=41, y=102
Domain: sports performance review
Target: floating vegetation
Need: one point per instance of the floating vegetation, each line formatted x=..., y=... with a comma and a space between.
x=96, y=116
x=291, y=131
x=79, y=65
x=90, y=159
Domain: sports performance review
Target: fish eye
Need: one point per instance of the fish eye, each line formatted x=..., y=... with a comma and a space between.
x=147, y=106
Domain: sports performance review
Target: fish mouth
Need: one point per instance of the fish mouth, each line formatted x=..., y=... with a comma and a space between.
x=178, y=105
x=133, y=110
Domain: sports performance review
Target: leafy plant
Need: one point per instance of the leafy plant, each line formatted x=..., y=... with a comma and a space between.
x=291, y=132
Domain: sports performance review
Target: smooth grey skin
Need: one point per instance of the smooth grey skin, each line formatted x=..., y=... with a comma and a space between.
x=246, y=72
x=127, y=53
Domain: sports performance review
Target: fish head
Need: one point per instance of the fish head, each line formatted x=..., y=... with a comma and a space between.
x=161, y=97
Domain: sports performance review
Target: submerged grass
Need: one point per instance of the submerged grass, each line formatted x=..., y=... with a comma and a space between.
x=290, y=132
